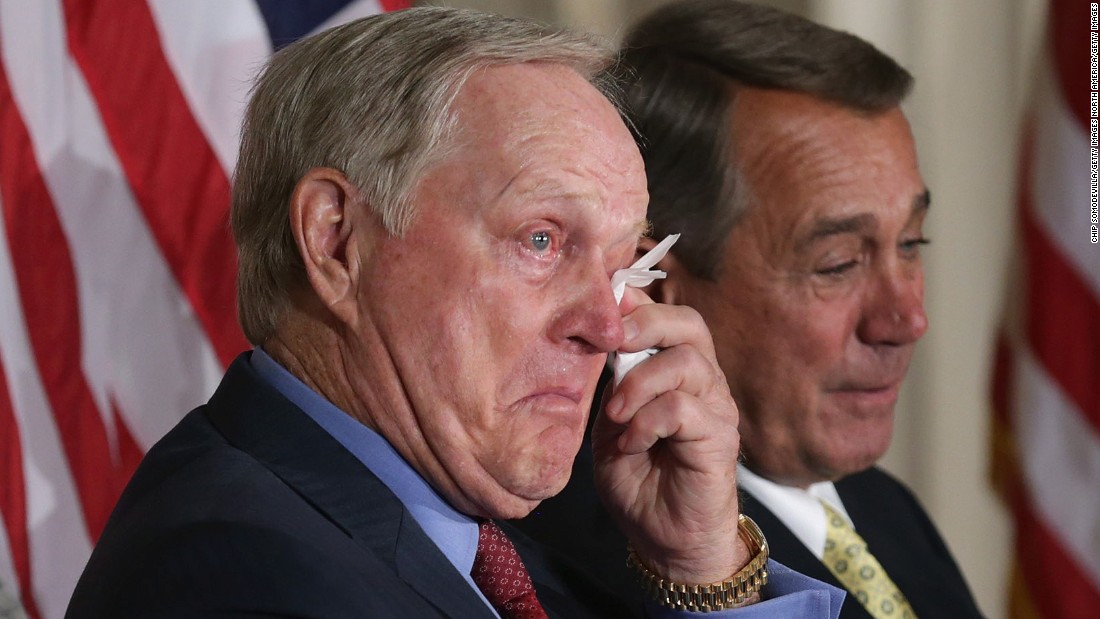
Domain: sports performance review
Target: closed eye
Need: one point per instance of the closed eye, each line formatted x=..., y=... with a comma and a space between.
x=838, y=269
x=912, y=246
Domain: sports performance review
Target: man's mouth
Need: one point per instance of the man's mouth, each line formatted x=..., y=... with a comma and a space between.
x=885, y=393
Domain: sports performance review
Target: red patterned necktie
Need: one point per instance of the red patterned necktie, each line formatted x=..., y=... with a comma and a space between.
x=499, y=573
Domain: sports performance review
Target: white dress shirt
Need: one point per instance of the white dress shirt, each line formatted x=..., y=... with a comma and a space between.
x=799, y=509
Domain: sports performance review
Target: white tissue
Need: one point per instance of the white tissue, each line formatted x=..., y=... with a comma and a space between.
x=639, y=274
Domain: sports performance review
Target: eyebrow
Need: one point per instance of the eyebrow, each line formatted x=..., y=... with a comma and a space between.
x=641, y=229
x=828, y=227
x=831, y=226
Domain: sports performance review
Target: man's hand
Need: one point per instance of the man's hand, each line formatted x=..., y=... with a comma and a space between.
x=666, y=448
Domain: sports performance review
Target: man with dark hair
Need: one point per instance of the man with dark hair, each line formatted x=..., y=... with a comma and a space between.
x=430, y=206
x=777, y=148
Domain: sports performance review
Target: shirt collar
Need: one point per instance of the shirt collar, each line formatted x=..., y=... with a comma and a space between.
x=800, y=510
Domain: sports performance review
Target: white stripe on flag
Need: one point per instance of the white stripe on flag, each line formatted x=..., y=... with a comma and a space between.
x=1060, y=181
x=1060, y=457
x=142, y=346
x=58, y=544
x=136, y=325
x=215, y=48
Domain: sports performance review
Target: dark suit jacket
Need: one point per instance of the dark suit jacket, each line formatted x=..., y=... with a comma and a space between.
x=248, y=508
x=898, y=533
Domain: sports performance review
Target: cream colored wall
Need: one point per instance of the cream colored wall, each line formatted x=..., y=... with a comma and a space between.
x=972, y=61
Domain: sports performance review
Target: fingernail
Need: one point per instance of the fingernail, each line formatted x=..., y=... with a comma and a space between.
x=630, y=329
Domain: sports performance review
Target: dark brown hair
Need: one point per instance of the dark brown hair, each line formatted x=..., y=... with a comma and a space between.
x=682, y=67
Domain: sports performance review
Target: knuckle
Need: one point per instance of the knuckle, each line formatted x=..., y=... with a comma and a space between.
x=694, y=319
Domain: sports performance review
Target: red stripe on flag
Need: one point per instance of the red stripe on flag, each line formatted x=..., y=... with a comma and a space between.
x=13, y=500
x=394, y=5
x=128, y=450
x=1056, y=583
x=173, y=172
x=47, y=289
x=1069, y=33
x=1062, y=319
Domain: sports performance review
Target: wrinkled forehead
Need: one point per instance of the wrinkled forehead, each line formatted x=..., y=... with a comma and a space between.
x=545, y=125
x=794, y=150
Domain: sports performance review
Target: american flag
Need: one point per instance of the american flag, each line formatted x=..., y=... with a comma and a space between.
x=118, y=133
x=1046, y=388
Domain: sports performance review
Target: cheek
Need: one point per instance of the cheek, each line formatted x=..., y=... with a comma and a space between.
x=430, y=329
x=795, y=334
x=780, y=362
x=511, y=321
x=824, y=331
x=817, y=338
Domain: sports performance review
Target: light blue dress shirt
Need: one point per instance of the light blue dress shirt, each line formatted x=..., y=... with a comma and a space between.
x=793, y=595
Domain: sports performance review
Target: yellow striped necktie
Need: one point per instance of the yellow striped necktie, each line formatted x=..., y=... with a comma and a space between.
x=847, y=557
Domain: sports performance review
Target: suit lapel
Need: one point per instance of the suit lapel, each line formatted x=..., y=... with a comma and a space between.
x=260, y=421
x=418, y=561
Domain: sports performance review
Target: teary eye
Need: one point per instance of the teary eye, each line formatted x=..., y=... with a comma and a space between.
x=540, y=241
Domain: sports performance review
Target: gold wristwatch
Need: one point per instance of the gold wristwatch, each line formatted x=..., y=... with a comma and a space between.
x=729, y=593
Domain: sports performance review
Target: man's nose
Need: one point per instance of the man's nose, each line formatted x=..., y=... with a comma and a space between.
x=893, y=312
x=590, y=315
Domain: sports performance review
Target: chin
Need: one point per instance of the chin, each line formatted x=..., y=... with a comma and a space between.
x=521, y=501
x=857, y=445
x=528, y=483
x=557, y=447
x=854, y=462
x=555, y=475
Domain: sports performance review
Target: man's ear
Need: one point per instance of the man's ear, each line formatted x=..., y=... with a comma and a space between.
x=667, y=290
x=324, y=214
